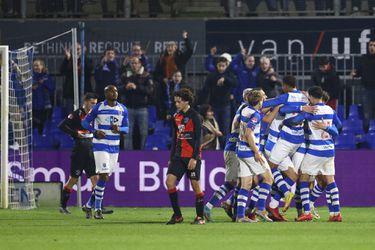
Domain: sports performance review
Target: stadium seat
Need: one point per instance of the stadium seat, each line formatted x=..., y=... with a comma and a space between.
x=341, y=112
x=345, y=141
x=151, y=116
x=157, y=142
x=162, y=126
x=50, y=128
x=353, y=126
x=57, y=114
x=370, y=140
x=65, y=141
x=353, y=111
x=371, y=129
x=43, y=142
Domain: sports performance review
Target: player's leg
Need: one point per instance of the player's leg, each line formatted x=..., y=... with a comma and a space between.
x=264, y=189
x=65, y=194
x=329, y=173
x=87, y=207
x=194, y=176
x=175, y=172
x=316, y=192
x=246, y=180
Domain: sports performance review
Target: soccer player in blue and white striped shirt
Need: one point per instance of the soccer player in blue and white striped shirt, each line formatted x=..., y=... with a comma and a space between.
x=106, y=121
x=320, y=154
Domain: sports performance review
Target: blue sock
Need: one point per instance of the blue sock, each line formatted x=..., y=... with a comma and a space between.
x=305, y=196
x=329, y=203
x=334, y=195
x=91, y=201
x=241, y=202
x=233, y=199
x=264, y=190
x=279, y=181
x=219, y=194
x=99, y=193
x=254, y=198
x=289, y=181
x=316, y=193
x=297, y=199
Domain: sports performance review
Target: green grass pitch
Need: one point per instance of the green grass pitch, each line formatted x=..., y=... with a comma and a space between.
x=144, y=228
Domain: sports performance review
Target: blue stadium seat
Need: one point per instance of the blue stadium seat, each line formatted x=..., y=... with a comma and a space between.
x=161, y=126
x=151, y=116
x=370, y=140
x=65, y=141
x=43, y=141
x=345, y=141
x=157, y=142
x=341, y=112
x=353, y=111
x=57, y=114
x=353, y=126
x=371, y=129
x=50, y=127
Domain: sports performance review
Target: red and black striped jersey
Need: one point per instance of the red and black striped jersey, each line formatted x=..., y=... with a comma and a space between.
x=187, y=130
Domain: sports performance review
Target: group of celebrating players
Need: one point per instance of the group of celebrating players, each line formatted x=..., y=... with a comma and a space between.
x=281, y=146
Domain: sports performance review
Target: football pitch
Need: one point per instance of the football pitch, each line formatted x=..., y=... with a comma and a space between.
x=144, y=228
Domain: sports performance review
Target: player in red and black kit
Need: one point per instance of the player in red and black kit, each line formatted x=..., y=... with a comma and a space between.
x=82, y=157
x=185, y=155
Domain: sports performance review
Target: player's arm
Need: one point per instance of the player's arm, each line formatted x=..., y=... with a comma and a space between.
x=288, y=109
x=330, y=129
x=250, y=137
x=298, y=119
x=66, y=125
x=273, y=102
x=88, y=121
x=336, y=120
x=268, y=118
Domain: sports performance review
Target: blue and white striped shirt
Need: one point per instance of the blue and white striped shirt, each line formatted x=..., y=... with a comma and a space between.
x=102, y=117
x=250, y=118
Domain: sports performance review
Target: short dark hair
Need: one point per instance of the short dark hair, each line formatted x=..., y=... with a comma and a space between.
x=325, y=97
x=204, y=109
x=186, y=95
x=222, y=59
x=109, y=48
x=254, y=97
x=316, y=92
x=90, y=95
x=290, y=81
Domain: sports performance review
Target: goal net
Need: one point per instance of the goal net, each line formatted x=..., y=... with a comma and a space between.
x=16, y=125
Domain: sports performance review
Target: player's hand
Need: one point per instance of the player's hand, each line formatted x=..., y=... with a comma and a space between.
x=115, y=129
x=320, y=125
x=259, y=158
x=80, y=134
x=192, y=164
x=309, y=109
x=67, y=53
x=184, y=34
x=99, y=134
x=278, y=107
x=213, y=51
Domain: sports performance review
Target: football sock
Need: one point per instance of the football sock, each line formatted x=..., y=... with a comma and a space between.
x=65, y=195
x=241, y=202
x=334, y=195
x=305, y=196
x=99, y=193
x=173, y=196
x=315, y=193
x=199, y=204
x=254, y=198
x=264, y=190
x=219, y=194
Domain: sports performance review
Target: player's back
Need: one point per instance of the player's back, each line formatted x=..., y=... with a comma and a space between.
x=248, y=114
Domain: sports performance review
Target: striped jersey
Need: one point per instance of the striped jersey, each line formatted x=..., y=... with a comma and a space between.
x=274, y=131
x=102, y=117
x=293, y=134
x=232, y=137
x=250, y=118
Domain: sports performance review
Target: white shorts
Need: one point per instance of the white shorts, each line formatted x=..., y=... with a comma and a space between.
x=231, y=165
x=282, y=150
x=284, y=165
x=315, y=165
x=297, y=160
x=105, y=163
x=249, y=167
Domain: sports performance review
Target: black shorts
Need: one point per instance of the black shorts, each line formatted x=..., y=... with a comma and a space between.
x=179, y=166
x=82, y=158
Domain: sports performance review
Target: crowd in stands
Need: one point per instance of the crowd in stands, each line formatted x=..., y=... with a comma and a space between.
x=147, y=91
x=75, y=8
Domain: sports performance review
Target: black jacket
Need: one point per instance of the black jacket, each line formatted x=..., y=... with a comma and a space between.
x=219, y=96
x=366, y=70
x=136, y=98
x=329, y=81
x=263, y=80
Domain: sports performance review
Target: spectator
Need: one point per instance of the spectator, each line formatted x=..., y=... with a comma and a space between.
x=137, y=86
x=218, y=87
x=136, y=52
x=210, y=129
x=365, y=70
x=300, y=6
x=42, y=90
x=66, y=70
x=266, y=78
x=11, y=8
x=106, y=72
x=154, y=8
x=211, y=61
x=327, y=78
x=243, y=65
x=172, y=86
x=325, y=7
x=170, y=60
